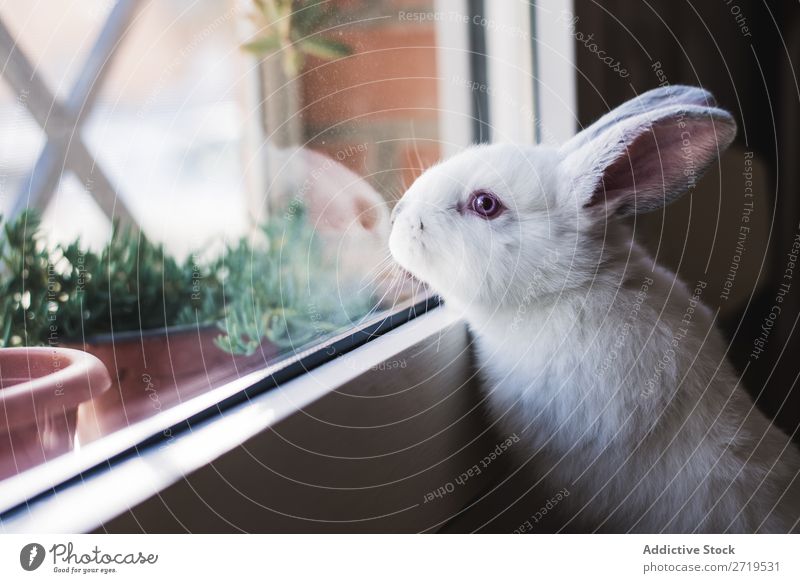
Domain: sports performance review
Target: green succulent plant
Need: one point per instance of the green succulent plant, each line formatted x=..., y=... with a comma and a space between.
x=70, y=292
x=277, y=287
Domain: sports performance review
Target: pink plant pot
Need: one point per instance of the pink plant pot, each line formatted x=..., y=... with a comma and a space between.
x=155, y=370
x=40, y=390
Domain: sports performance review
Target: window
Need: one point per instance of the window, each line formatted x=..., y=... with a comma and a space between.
x=199, y=192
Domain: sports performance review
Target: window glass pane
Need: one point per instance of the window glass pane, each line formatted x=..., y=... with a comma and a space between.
x=177, y=93
x=223, y=203
x=21, y=140
x=73, y=214
x=56, y=36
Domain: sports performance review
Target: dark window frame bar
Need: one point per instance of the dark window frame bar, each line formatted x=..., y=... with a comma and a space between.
x=481, y=122
x=537, y=126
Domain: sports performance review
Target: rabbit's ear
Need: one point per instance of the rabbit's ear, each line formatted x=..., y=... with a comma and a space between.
x=657, y=98
x=647, y=160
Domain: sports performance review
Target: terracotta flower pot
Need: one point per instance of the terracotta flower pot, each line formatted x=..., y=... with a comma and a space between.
x=154, y=370
x=40, y=391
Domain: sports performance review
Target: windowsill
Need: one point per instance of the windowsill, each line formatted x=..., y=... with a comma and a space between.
x=82, y=503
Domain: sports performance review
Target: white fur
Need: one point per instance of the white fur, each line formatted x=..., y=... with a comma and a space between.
x=605, y=365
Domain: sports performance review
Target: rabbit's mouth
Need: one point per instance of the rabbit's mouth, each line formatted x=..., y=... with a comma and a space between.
x=408, y=256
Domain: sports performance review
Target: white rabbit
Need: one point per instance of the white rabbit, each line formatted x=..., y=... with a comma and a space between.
x=605, y=365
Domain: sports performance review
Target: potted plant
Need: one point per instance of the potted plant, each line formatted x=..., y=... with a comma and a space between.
x=169, y=329
x=40, y=391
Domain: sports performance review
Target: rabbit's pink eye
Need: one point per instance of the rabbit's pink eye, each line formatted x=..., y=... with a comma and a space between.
x=485, y=204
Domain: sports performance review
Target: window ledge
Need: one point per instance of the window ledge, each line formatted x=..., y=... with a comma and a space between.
x=85, y=503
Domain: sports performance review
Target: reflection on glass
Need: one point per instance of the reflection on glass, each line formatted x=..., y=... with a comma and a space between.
x=259, y=170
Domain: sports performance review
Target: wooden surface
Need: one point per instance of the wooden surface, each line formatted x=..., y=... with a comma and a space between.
x=360, y=459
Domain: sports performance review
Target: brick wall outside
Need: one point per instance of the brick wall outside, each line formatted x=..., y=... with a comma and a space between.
x=376, y=109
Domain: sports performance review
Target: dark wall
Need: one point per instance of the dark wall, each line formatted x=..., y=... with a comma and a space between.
x=746, y=53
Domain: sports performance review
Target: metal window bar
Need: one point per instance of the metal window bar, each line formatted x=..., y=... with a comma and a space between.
x=482, y=129
x=61, y=121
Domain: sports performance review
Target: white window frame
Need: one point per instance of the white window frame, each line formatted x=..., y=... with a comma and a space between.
x=452, y=54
